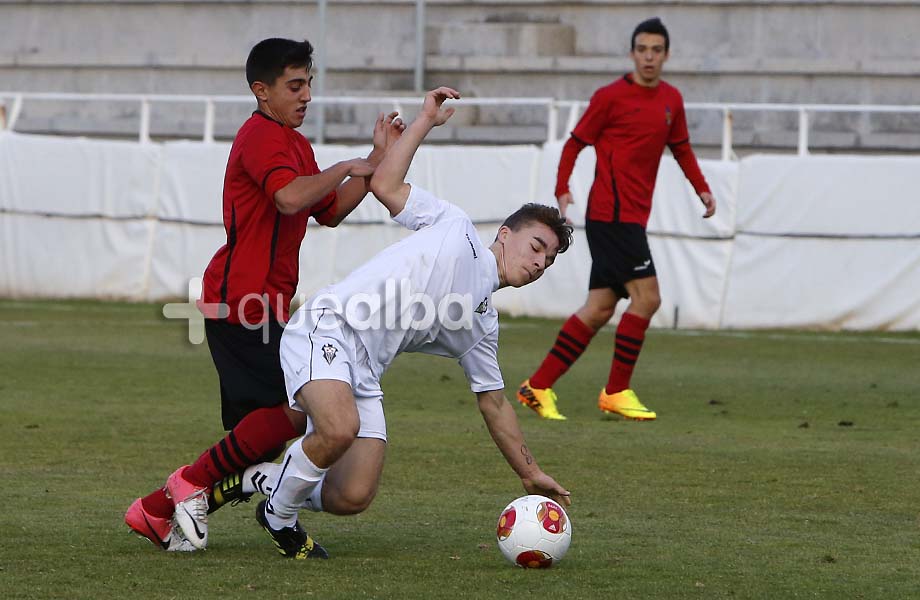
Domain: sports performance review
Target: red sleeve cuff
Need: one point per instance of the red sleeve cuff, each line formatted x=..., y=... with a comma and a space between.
x=324, y=212
x=277, y=179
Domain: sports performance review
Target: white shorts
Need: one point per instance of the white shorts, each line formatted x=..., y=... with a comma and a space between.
x=318, y=344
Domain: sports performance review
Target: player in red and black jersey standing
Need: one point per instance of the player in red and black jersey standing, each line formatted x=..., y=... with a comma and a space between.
x=629, y=123
x=272, y=186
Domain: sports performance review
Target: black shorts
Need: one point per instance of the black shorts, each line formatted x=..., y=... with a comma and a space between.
x=619, y=254
x=249, y=370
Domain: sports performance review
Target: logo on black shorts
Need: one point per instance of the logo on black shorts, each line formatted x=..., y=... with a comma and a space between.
x=329, y=353
x=643, y=266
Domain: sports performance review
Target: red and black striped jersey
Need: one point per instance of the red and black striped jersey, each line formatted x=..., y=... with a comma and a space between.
x=629, y=126
x=256, y=272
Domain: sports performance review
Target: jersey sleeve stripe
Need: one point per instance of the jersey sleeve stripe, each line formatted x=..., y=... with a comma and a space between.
x=272, y=170
x=231, y=244
x=271, y=256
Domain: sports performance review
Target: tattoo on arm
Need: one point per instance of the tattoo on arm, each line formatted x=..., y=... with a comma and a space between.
x=526, y=453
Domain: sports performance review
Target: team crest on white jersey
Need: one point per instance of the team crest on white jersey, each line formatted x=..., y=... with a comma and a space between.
x=329, y=352
x=483, y=306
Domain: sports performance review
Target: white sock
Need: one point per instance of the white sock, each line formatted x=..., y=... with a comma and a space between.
x=315, y=501
x=298, y=478
x=261, y=478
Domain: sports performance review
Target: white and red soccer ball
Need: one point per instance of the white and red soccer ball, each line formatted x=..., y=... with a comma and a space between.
x=534, y=532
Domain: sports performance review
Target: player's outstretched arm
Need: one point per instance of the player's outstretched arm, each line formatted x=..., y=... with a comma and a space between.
x=389, y=181
x=506, y=432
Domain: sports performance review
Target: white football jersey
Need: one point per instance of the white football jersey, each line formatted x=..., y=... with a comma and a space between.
x=430, y=292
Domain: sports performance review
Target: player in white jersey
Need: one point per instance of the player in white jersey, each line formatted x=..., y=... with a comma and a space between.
x=432, y=293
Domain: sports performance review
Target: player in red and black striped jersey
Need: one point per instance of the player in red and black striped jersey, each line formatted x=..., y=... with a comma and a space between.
x=272, y=186
x=629, y=123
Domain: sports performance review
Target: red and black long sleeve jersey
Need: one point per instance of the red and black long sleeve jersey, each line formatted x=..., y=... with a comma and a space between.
x=629, y=125
x=261, y=257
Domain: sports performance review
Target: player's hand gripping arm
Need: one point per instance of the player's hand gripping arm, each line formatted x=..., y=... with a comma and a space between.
x=307, y=190
x=387, y=130
x=506, y=432
x=349, y=195
x=389, y=180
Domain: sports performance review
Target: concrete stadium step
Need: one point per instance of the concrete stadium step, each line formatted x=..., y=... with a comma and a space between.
x=514, y=36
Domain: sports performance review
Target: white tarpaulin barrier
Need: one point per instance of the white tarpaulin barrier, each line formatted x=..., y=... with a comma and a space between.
x=54, y=257
x=826, y=283
x=74, y=176
x=188, y=190
x=74, y=216
x=830, y=195
x=828, y=242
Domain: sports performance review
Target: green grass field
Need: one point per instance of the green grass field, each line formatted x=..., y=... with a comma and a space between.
x=782, y=465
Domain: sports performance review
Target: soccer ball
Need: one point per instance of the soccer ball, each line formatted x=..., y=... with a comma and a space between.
x=534, y=532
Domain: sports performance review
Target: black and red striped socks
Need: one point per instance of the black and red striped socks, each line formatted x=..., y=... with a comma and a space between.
x=260, y=436
x=572, y=340
x=629, y=337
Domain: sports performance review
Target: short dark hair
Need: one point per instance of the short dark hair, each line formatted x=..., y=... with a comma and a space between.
x=269, y=58
x=540, y=213
x=653, y=26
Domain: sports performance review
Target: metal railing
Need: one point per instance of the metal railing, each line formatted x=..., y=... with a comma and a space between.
x=11, y=106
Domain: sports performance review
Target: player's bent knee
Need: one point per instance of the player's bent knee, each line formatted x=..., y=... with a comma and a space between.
x=357, y=499
x=349, y=499
x=650, y=304
x=596, y=317
x=340, y=438
x=354, y=506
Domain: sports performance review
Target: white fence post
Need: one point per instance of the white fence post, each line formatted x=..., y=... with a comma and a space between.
x=144, y=134
x=727, y=151
x=573, y=118
x=208, y=121
x=803, y=132
x=14, y=112
x=552, y=123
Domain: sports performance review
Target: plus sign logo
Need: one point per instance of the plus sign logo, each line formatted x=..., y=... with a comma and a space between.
x=193, y=312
